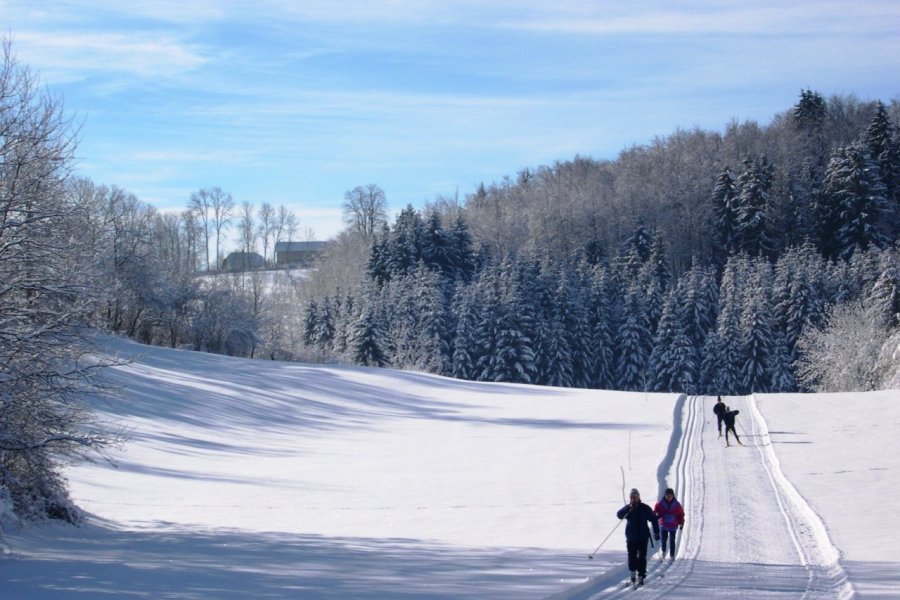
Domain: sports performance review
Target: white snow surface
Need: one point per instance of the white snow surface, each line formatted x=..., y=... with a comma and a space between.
x=257, y=479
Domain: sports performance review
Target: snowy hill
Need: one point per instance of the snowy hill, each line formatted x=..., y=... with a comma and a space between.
x=253, y=479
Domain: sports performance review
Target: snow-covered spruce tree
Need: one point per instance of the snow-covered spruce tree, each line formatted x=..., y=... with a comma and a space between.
x=701, y=299
x=797, y=298
x=757, y=335
x=753, y=187
x=463, y=361
x=633, y=342
x=367, y=338
x=724, y=201
x=47, y=371
x=601, y=317
x=573, y=318
x=537, y=284
x=884, y=149
x=654, y=278
x=560, y=351
x=885, y=293
x=673, y=361
x=723, y=357
x=505, y=348
x=855, y=213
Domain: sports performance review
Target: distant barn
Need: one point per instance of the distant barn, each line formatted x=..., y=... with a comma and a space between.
x=297, y=253
x=243, y=261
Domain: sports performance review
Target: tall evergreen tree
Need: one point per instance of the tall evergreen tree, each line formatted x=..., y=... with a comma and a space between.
x=463, y=361
x=404, y=248
x=462, y=253
x=601, y=319
x=634, y=342
x=724, y=199
x=673, y=361
x=513, y=359
x=757, y=330
x=753, y=187
x=723, y=353
x=366, y=338
x=884, y=149
x=856, y=213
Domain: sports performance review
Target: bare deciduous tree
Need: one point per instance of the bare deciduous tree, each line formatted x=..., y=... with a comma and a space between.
x=266, y=230
x=365, y=209
x=46, y=368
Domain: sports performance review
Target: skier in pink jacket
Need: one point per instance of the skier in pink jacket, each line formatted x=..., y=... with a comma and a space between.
x=671, y=518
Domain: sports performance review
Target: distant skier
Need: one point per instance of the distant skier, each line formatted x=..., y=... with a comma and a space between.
x=728, y=416
x=671, y=518
x=637, y=534
x=719, y=408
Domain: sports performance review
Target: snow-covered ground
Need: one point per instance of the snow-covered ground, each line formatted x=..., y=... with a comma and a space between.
x=253, y=479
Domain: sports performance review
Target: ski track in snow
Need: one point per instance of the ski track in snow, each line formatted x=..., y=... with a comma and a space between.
x=748, y=532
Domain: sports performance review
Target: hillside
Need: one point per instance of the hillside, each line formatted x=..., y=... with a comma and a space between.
x=279, y=480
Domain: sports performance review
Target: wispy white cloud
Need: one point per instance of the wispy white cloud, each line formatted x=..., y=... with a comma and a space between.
x=727, y=18
x=73, y=55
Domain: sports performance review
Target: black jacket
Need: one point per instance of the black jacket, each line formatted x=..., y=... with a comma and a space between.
x=636, y=518
x=719, y=408
x=729, y=417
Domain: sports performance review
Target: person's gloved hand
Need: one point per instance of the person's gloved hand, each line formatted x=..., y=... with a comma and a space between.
x=656, y=536
x=681, y=528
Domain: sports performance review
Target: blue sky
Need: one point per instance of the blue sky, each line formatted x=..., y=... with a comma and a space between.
x=296, y=102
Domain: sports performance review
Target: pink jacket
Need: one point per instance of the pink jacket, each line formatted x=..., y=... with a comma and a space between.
x=670, y=514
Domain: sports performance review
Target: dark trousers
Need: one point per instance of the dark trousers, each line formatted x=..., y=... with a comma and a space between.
x=668, y=534
x=719, y=417
x=637, y=556
x=732, y=430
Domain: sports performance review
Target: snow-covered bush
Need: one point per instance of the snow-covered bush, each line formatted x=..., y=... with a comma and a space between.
x=851, y=353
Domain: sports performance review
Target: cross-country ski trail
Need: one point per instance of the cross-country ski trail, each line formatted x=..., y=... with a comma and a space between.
x=748, y=532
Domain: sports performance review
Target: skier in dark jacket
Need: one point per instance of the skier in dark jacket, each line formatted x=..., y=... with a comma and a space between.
x=637, y=534
x=728, y=416
x=719, y=408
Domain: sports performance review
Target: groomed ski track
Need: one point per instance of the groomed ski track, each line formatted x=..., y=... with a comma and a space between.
x=748, y=532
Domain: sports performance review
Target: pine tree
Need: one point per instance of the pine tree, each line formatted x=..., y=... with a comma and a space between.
x=366, y=339
x=885, y=293
x=856, y=212
x=310, y=320
x=633, y=343
x=724, y=200
x=462, y=362
x=673, y=361
x=404, y=247
x=753, y=187
x=601, y=319
x=514, y=361
x=884, y=149
x=562, y=346
x=757, y=331
x=723, y=354
x=781, y=376
x=377, y=268
x=701, y=299
x=462, y=255
x=654, y=278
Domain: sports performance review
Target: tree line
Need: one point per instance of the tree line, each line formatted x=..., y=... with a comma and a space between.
x=431, y=302
x=696, y=263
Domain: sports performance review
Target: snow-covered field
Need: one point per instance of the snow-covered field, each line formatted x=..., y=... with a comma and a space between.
x=253, y=479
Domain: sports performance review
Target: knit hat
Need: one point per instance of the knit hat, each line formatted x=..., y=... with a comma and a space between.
x=634, y=493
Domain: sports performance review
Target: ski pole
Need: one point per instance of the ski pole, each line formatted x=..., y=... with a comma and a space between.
x=597, y=549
